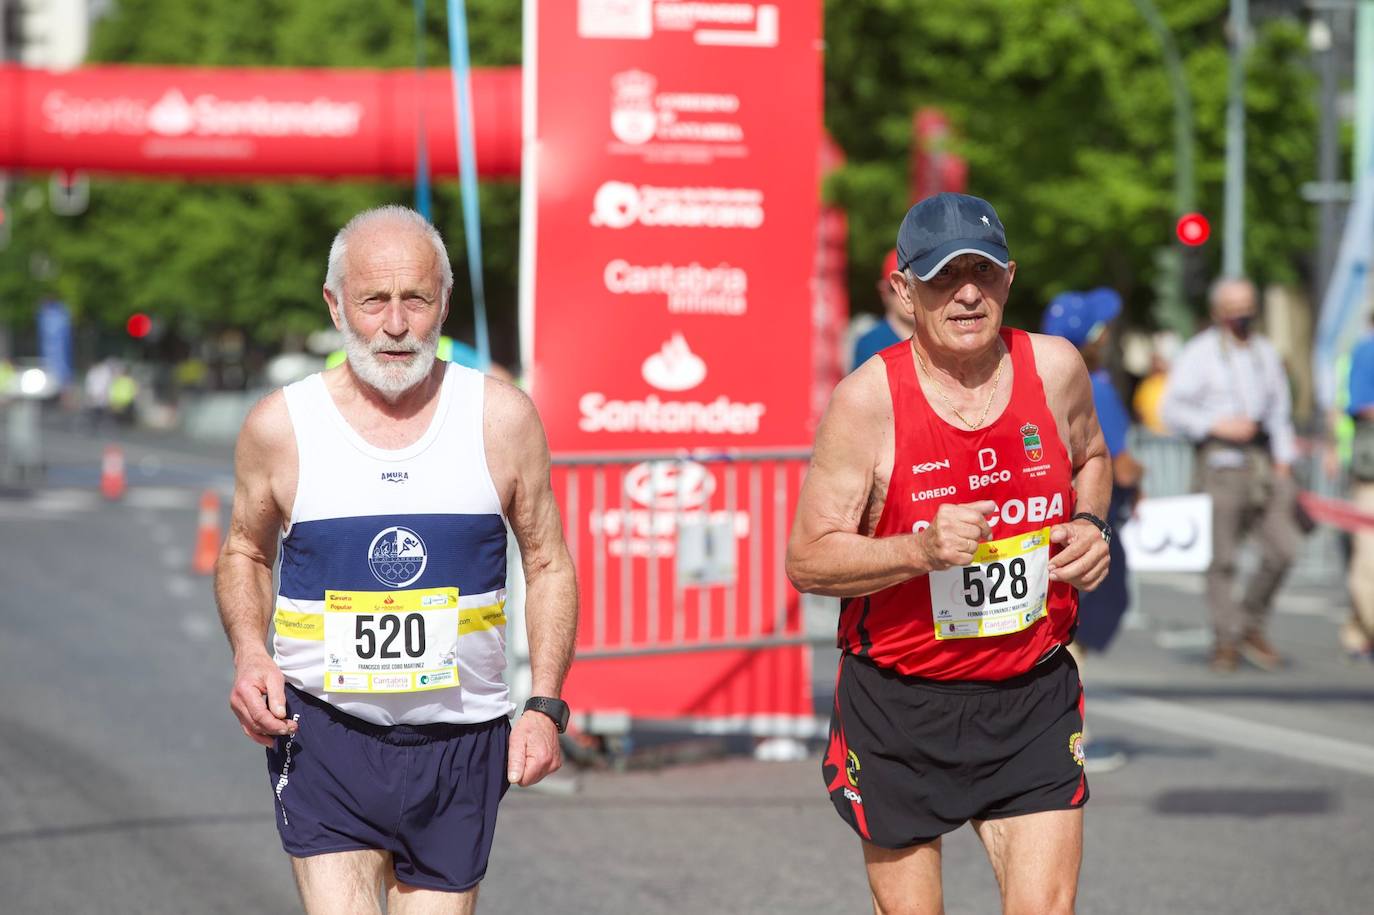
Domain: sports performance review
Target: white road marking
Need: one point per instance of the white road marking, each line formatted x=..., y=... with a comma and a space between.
x=162, y=497
x=1229, y=730
x=1184, y=639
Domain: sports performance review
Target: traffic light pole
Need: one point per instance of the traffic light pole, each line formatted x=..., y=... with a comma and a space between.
x=1171, y=300
x=1233, y=228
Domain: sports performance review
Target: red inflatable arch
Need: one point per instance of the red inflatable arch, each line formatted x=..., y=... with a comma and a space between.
x=251, y=123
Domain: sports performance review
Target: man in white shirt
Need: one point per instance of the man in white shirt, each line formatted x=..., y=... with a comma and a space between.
x=1228, y=393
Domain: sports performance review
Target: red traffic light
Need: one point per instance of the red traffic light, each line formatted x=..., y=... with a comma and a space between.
x=1193, y=229
x=138, y=325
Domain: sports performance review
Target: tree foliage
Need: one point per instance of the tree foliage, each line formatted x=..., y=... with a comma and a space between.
x=1063, y=111
x=202, y=256
x=1065, y=115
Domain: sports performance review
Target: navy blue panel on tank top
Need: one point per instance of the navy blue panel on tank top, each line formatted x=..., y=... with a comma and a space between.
x=468, y=551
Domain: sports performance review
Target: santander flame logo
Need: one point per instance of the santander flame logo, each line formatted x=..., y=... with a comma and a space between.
x=172, y=115
x=674, y=367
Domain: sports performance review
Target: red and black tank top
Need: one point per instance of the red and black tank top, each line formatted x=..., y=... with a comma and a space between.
x=996, y=617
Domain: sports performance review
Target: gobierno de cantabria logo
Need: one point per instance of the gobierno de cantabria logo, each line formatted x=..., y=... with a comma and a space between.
x=397, y=557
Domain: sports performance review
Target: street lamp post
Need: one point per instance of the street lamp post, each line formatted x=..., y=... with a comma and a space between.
x=1233, y=233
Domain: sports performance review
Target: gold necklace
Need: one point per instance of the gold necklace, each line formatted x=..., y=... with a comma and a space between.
x=939, y=389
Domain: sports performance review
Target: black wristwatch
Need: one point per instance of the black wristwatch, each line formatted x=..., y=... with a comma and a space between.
x=556, y=709
x=1096, y=522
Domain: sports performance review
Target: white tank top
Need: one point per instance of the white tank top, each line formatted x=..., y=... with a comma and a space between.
x=395, y=529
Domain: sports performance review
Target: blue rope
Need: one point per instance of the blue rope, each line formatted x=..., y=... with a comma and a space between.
x=423, y=204
x=467, y=170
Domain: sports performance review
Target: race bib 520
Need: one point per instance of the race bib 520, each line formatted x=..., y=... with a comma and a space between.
x=390, y=641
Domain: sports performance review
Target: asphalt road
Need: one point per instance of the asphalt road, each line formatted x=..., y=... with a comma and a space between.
x=125, y=785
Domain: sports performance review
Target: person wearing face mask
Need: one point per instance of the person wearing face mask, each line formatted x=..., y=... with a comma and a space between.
x=388, y=482
x=1228, y=394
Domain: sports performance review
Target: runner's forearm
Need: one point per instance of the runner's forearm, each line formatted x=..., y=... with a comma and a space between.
x=550, y=622
x=843, y=564
x=1092, y=484
x=243, y=591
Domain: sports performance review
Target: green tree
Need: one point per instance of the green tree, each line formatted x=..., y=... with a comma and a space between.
x=203, y=256
x=1063, y=111
x=1065, y=116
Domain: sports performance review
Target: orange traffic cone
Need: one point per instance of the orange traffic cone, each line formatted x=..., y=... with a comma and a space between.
x=207, y=534
x=112, y=473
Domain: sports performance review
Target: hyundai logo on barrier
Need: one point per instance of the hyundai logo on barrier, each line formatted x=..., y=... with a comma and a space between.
x=670, y=485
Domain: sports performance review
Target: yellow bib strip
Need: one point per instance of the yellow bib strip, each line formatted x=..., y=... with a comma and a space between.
x=309, y=627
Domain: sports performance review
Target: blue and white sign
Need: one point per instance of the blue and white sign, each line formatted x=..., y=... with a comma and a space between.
x=55, y=341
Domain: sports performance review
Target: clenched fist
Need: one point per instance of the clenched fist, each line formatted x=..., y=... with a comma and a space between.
x=954, y=534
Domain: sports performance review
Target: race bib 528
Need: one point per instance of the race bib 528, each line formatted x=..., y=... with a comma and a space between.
x=1002, y=591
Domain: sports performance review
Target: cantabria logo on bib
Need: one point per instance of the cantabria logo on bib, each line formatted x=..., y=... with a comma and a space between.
x=397, y=557
x=1030, y=440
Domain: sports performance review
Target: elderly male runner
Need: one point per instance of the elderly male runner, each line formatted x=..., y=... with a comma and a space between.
x=389, y=481
x=955, y=502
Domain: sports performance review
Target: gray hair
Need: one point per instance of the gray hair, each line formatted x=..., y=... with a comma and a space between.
x=1222, y=282
x=334, y=276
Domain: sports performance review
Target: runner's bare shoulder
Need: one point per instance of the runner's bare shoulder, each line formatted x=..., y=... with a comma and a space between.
x=507, y=413
x=862, y=398
x=267, y=428
x=1059, y=364
x=266, y=448
x=513, y=436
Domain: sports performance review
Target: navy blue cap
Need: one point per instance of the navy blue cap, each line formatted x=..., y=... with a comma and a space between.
x=1076, y=316
x=940, y=228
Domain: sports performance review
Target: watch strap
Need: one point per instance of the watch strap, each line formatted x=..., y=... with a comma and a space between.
x=556, y=709
x=1102, y=526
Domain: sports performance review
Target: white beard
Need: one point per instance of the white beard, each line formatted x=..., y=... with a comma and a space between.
x=390, y=379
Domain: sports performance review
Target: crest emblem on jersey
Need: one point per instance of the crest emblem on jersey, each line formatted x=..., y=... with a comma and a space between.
x=397, y=557
x=1030, y=440
x=852, y=767
x=1076, y=747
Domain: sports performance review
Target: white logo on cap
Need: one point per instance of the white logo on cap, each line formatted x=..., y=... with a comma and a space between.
x=985, y=222
x=674, y=367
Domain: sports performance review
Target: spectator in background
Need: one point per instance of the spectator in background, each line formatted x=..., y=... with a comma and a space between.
x=1357, y=635
x=1084, y=319
x=1228, y=394
x=1149, y=394
x=896, y=325
x=99, y=378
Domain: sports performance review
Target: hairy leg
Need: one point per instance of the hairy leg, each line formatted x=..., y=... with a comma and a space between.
x=1036, y=858
x=342, y=883
x=402, y=899
x=905, y=881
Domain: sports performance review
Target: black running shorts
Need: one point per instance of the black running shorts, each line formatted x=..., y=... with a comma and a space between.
x=912, y=759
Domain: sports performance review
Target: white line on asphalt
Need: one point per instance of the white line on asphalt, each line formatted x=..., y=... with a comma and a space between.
x=1176, y=718
x=1184, y=639
x=162, y=497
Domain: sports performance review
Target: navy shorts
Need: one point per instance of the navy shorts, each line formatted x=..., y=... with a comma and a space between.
x=911, y=759
x=425, y=793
